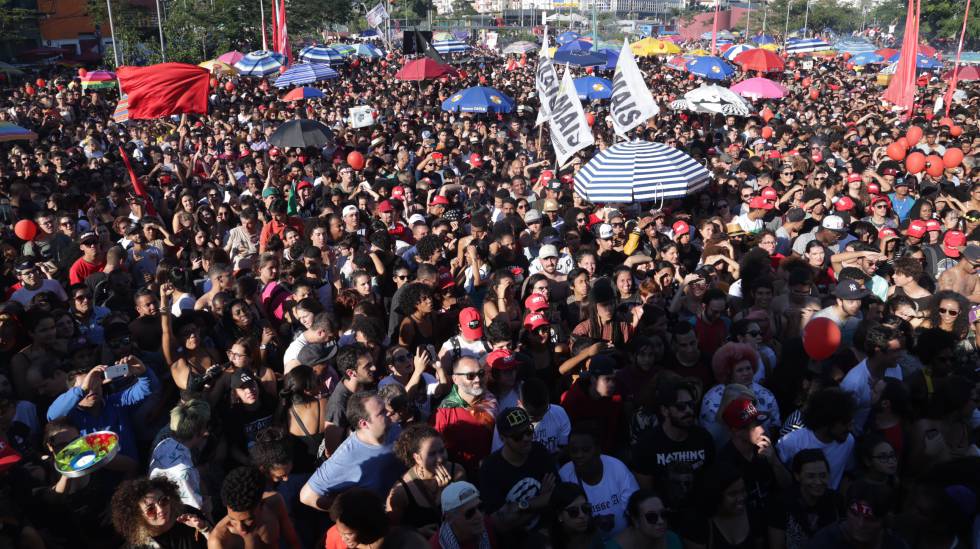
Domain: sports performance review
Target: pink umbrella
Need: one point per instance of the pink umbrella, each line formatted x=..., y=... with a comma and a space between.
x=760, y=88
x=231, y=57
x=678, y=62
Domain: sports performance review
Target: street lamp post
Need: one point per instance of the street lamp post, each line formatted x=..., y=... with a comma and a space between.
x=806, y=18
x=786, y=31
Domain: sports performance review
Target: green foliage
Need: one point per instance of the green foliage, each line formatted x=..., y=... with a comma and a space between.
x=838, y=15
x=307, y=18
x=462, y=8
x=944, y=19
x=15, y=20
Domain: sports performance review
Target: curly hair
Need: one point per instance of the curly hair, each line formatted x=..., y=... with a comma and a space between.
x=271, y=449
x=428, y=245
x=415, y=294
x=242, y=489
x=362, y=511
x=127, y=518
x=962, y=324
x=410, y=441
x=730, y=354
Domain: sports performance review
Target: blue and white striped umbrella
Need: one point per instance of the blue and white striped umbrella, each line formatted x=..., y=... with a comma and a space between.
x=854, y=46
x=922, y=62
x=450, y=46
x=637, y=171
x=866, y=58
x=305, y=73
x=807, y=45
x=730, y=53
x=369, y=50
x=260, y=63
x=320, y=54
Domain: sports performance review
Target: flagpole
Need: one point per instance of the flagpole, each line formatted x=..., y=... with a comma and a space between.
x=806, y=18
x=956, y=65
x=163, y=51
x=265, y=44
x=112, y=29
x=714, y=28
x=786, y=31
x=748, y=17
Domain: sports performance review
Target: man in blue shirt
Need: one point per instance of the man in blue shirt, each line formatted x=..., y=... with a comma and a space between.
x=86, y=406
x=365, y=459
x=901, y=201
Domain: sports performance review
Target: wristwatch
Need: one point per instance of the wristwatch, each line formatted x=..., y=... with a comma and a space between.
x=523, y=505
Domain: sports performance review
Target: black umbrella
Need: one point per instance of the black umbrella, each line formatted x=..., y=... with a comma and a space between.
x=301, y=132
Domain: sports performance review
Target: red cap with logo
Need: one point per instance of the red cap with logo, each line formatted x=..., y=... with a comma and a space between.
x=385, y=206
x=887, y=232
x=853, y=177
x=759, y=203
x=769, y=193
x=533, y=321
x=501, y=359
x=740, y=413
x=680, y=228
x=398, y=192
x=917, y=229
x=471, y=324
x=536, y=303
x=874, y=188
x=933, y=225
x=439, y=200
x=844, y=204
x=952, y=243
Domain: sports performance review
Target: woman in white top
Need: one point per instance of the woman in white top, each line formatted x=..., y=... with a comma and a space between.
x=736, y=363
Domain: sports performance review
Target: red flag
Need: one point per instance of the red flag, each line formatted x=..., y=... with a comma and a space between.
x=901, y=90
x=275, y=27
x=714, y=27
x=138, y=187
x=165, y=89
x=284, y=34
x=511, y=64
x=523, y=59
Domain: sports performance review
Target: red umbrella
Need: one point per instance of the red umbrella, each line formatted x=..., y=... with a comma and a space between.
x=887, y=53
x=759, y=60
x=423, y=69
x=967, y=72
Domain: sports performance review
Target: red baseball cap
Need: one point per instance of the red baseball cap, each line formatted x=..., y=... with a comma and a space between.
x=533, y=321
x=917, y=228
x=680, y=228
x=398, y=192
x=385, y=206
x=536, y=303
x=875, y=199
x=8, y=456
x=501, y=359
x=471, y=324
x=852, y=177
x=952, y=243
x=760, y=203
x=446, y=280
x=475, y=160
x=844, y=204
x=304, y=185
x=874, y=188
x=439, y=200
x=769, y=193
x=933, y=225
x=887, y=232
x=741, y=413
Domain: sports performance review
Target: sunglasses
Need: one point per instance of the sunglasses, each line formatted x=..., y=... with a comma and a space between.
x=653, y=517
x=401, y=277
x=471, y=376
x=574, y=512
x=950, y=312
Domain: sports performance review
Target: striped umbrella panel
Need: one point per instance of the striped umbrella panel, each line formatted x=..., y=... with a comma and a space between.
x=450, y=46
x=260, y=63
x=639, y=171
x=306, y=73
x=320, y=54
x=807, y=45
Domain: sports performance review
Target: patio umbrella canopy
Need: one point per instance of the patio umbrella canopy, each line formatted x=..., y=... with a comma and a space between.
x=231, y=57
x=478, y=99
x=12, y=132
x=636, y=171
x=968, y=72
x=577, y=45
x=302, y=93
x=260, y=63
x=760, y=88
x=759, y=60
x=301, y=132
x=305, y=73
x=219, y=68
x=98, y=79
x=423, y=69
x=579, y=58
x=651, y=46
x=732, y=52
x=451, y=46
x=591, y=88
x=521, y=46
x=321, y=54
x=866, y=58
x=807, y=45
x=566, y=37
x=713, y=99
x=711, y=68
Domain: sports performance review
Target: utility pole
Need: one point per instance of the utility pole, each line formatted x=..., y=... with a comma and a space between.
x=112, y=29
x=163, y=51
x=786, y=32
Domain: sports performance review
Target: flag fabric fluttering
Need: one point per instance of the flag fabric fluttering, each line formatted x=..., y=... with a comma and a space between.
x=377, y=16
x=164, y=89
x=570, y=131
x=138, y=187
x=948, y=97
x=283, y=44
x=545, y=83
x=901, y=89
x=427, y=49
x=632, y=103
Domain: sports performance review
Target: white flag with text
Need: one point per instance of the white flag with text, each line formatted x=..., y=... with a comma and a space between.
x=632, y=103
x=570, y=131
x=545, y=83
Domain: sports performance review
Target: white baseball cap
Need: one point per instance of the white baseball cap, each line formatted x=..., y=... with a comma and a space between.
x=350, y=209
x=833, y=223
x=605, y=231
x=457, y=494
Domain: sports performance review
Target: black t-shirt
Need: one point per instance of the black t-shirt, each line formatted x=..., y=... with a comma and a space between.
x=242, y=423
x=337, y=406
x=832, y=537
x=501, y=482
x=673, y=464
x=759, y=483
x=181, y=536
x=789, y=513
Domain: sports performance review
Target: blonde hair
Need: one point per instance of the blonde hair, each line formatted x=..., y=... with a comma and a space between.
x=189, y=419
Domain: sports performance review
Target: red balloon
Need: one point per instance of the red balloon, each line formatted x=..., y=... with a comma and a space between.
x=229, y=86
x=814, y=94
x=903, y=142
x=821, y=338
x=955, y=131
x=915, y=162
x=356, y=160
x=952, y=157
x=946, y=121
x=846, y=56
x=82, y=72
x=913, y=135
x=690, y=77
x=214, y=82
x=588, y=70
x=807, y=82
x=29, y=89
x=25, y=229
x=355, y=63
x=896, y=151
x=934, y=165
x=766, y=132
x=590, y=118
x=40, y=82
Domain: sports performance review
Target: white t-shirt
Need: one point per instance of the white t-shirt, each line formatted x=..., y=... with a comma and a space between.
x=609, y=497
x=473, y=349
x=294, y=348
x=552, y=431
x=172, y=460
x=858, y=383
x=838, y=454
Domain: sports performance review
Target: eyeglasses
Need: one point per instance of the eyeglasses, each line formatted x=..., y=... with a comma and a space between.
x=887, y=456
x=683, y=405
x=83, y=297
x=574, y=512
x=471, y=376
x=151, y=507
x=950, y=312
x=401, y=277
x=653, y=517
x=746, y=196
x=754, y=333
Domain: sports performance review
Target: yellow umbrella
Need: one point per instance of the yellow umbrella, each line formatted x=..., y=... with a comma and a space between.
x=551, y=51
x=699, y=52
x=651, y=46
x=219, y=67
x=770, y=47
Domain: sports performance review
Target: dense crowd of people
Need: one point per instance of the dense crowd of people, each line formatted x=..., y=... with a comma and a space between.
x=445, y=346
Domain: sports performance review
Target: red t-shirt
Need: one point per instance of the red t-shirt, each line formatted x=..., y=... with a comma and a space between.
x=81, y=269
